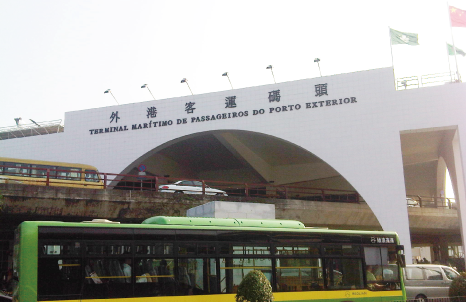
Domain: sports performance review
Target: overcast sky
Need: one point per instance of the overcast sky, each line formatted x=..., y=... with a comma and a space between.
x=61, y=55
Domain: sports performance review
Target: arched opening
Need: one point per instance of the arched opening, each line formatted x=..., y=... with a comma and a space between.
x=243, y=157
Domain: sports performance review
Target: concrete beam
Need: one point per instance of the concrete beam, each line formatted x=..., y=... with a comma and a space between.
x=123, y=205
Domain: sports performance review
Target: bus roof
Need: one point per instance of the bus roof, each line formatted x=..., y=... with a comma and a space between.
x=228, y=222
x=173, y=220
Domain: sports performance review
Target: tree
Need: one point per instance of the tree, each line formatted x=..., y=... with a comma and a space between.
x=457, y=291
x=255, y=287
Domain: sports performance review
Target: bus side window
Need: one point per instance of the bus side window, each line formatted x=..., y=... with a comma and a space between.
x=91, y=175
x=16, y=169
x=39, y=171
x=75, y=174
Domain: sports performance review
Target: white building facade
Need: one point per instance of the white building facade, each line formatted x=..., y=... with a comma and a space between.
x=351, y=122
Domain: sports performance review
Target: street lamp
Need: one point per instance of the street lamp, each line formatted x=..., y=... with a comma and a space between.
x=184, y=80
x=147, y=86
x=225, y=74
x=270, y=67
x=109, y=91
x=34, y=122
x=317, y=60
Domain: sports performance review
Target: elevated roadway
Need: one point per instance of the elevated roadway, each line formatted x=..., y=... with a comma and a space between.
x=22, y=202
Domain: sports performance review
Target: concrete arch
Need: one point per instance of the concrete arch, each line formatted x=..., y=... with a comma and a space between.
x=241, y=156
x=269, y=156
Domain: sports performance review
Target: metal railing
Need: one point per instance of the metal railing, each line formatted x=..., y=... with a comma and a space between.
x=426, y=80
x=36, y=128
x=442, y=299
x=88, y=179
x=432, y=202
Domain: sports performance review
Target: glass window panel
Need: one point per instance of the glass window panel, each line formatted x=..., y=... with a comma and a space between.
x=335, y=250
x=232, y=271
x=51, y=249
x=69, y=173
x=62, y=172
x=344, y=273
x=155, y=249
x=239, y=249
x=414, y=273
x=39, y=171
x=299, y=274
x=154, y=235
x=196, y=277
x=433, y=274
x=187, y=249
x=297, y=250
x=108, y=249
x=68, y=248
x=75, y=174
x=451, y=274
x=109, y=278
x=351, y=250
x=376, y=255
x=155, y=277
x=381, y=266
x=208, y=249
x=251, y=250
x=100, y=234
x=12, y=169
x=91, y=175
x=59, y=279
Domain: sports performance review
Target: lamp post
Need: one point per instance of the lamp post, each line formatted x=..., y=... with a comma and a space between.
x=317, y=60
x=34, y=123
x=225, y=74
x=270, y=67
x=184, y=80
x=109, y=91
x=147, y=86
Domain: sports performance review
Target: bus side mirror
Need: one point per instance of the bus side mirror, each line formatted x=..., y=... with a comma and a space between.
x=401, y=260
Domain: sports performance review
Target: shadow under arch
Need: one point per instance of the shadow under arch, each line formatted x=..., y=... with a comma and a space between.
x=240, y=156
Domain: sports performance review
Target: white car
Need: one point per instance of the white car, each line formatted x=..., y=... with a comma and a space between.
x=411, y=202
x=190, y=187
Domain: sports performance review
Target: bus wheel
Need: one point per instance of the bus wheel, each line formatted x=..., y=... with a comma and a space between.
x=421, y=298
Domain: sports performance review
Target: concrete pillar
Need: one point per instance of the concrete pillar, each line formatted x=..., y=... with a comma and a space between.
x=459, y=183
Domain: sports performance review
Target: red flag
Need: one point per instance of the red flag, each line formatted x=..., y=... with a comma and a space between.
x=457, y=17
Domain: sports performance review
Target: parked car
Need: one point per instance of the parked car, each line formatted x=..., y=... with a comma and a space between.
x=190, y=187
x=427, y=281
x=411, y=202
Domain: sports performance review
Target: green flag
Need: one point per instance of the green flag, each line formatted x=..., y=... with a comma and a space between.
x=399, y=37
x=458, y=51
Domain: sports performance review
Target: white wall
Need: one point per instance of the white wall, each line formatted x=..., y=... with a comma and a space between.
x=360, y=140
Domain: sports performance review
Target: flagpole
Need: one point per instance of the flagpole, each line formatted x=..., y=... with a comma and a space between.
x=449, y=67
x=391, y=52
x=453, y=42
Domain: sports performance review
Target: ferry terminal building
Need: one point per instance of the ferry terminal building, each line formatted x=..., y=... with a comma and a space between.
x=350, y=131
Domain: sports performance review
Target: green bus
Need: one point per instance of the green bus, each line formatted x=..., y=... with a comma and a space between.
x=167, y=259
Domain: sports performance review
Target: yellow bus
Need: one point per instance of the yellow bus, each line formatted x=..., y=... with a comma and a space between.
x=47, y=173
